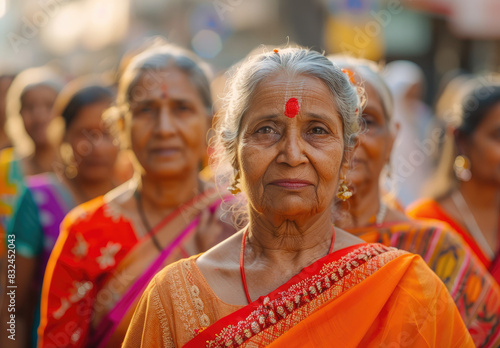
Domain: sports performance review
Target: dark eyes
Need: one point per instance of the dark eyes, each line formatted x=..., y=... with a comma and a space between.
x=145, y=109
x=152, y=109
x=270, y=130
x=319, y=130
x=266, y=130
x=181, y=106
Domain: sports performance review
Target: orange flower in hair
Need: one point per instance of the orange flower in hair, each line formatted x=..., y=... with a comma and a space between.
x=276, y=50
x=349, y=73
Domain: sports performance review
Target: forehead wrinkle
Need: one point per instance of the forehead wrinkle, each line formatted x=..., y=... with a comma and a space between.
x=276, y=95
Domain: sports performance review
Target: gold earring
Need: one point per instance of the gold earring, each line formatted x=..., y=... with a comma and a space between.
x=344, y=193
x=462, y=168
x=234, y=189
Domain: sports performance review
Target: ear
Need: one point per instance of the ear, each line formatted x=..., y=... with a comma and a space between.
x=346, y=164
x=460, y=140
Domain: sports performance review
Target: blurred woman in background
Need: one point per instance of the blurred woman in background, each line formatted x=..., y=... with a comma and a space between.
x=110, y=247
x=367, y=216
x=29, y=104
x=411, y=161
x=29, y=108
x=466, y=188
x=85, y=172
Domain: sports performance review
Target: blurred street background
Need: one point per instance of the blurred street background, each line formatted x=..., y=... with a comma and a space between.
x=90, y=36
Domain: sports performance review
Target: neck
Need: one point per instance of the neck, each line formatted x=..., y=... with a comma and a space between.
x=363, y=206
x=480, y=195
x=43, y=158
x=166, y=195
x=86, y=190
x=290, y=242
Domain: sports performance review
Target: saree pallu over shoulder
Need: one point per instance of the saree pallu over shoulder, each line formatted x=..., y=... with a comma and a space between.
x=317, y=308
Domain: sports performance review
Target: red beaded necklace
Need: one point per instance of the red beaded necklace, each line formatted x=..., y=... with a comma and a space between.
x=242, y=260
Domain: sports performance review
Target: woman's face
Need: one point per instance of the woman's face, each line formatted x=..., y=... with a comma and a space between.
x=36, y=111
x=483, y=148
x=290, y=165
x=374, y=145
x=94, y=151
x=168, y=124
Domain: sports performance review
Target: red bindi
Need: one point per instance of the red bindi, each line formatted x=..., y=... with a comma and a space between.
x=292, y=107
x=164, y=94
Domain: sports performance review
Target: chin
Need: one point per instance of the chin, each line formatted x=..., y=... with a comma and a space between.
x=292, y=209
x=169, y=172
x=97, y=175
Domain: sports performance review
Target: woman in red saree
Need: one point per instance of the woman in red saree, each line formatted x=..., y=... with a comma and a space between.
x=288, y=277
x=466, y=187
x=475, y=292
x=110, y=247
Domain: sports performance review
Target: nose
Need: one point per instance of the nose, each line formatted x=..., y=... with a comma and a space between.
x=165, y=124
x=292, y=149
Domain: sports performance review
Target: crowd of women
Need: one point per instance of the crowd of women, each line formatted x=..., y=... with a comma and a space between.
x=145, y=216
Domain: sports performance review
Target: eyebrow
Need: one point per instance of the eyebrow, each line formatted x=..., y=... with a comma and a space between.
x=154, y=99
x=265, y=117
x=320, y=116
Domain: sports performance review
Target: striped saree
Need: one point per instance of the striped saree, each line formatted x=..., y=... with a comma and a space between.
x=476, y=294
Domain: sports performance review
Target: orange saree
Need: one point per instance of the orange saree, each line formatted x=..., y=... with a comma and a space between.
x=103, y=260
x=367, y=295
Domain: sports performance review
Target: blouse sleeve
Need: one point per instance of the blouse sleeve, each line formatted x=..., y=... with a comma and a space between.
x=27, y=228
x=68, y=292
x=149, y=326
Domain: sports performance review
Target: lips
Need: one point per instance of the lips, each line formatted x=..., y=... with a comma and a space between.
x=291, y=183
x=165, y=151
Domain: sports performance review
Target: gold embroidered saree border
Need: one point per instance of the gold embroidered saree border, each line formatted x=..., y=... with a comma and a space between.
x=291, y=303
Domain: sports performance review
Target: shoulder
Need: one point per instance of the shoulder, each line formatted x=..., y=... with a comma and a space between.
x=101, y=210
x=167, y=274
x=180, y=285
x=345, y=239
x=221, y=255
x=422, y=208
x=43, y=180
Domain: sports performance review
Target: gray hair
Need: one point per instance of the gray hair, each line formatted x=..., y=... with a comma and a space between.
x=154, y=61
x=367, y=71
x=293, y=62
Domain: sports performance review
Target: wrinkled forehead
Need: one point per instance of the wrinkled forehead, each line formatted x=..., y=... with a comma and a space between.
x=168, y=82
x=290, y=95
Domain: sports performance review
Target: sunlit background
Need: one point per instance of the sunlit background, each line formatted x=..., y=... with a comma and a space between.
x=87, y=36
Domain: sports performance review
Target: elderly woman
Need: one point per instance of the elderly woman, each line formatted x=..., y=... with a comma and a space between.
x=469, y=283
x=111, y=247
x=465, y=192
x=289, y=278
